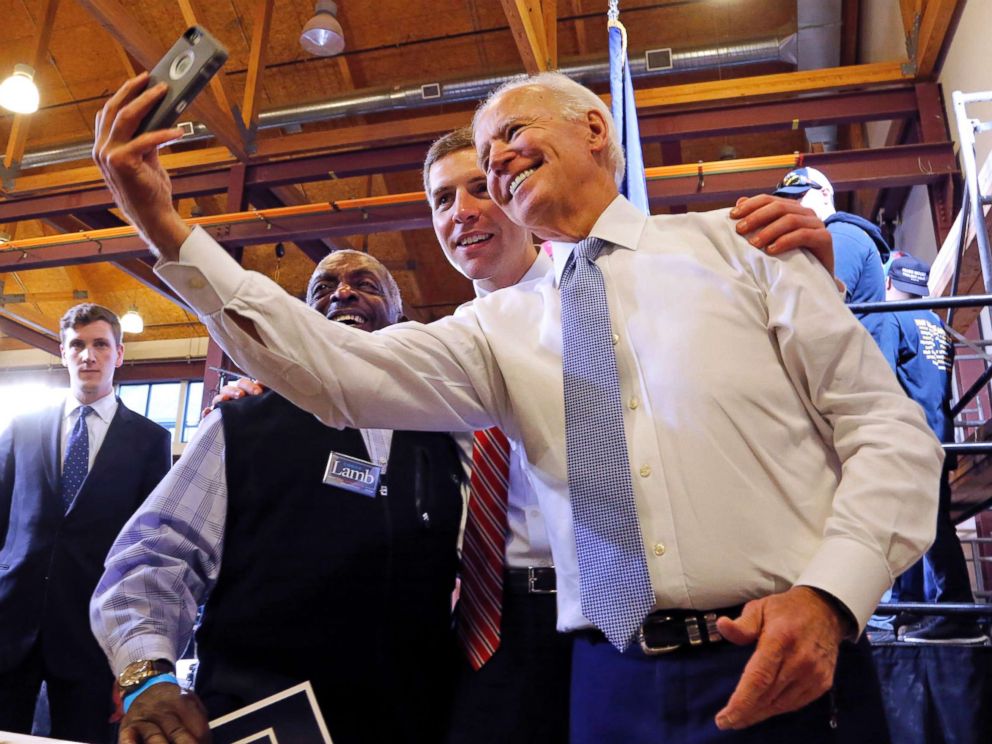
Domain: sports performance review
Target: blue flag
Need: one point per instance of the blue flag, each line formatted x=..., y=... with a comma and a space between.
x=633, y=186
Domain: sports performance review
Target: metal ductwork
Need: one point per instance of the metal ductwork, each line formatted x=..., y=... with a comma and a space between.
x=432, y=94
x=819, y=33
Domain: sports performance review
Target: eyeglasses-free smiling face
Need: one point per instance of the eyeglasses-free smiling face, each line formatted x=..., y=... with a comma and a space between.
x=353, y=289
x=543, y=170
x=476, y=236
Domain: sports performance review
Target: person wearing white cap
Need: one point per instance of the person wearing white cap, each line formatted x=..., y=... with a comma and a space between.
x=859, y=247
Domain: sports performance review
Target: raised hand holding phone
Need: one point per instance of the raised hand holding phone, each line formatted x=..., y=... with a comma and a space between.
x=185, y=69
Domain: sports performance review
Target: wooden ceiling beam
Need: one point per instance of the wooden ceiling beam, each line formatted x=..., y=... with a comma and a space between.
x=216, y=85
x=581, y=39
x=912, y=12
x=122, y=26
x=290, y=195
x=30, y=298
x=22, y=122
x=130, y=65
x=256, y=63
x=415, y=129
x=681, y=184
x=550, y=17
x=785, y=83
x=526, y=19
x=426, y=128
x=29, y=335
x=138, y=269
x=87, y=200
x=935, y=26
x=141, y=270
x=78, y=281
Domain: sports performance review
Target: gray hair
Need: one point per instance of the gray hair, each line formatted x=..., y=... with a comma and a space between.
x=575, y=100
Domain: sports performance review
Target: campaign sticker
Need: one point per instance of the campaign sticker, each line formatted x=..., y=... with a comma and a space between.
x=352, y=474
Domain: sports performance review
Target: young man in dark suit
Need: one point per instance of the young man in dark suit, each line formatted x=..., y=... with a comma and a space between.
x=70, y=476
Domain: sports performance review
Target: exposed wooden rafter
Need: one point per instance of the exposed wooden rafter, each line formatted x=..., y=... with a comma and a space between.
x=256, y=63
x=802, y=81
x=130, y=65
x=141, y=270
x=680, y=184
x=427, y=128
x=31, y=336
x=215, y=84
x=527, y=19
x=927, y=24
x=934, y=27
x=22, y=122
x=912, y=12
x=122, y=26
x=550, y=16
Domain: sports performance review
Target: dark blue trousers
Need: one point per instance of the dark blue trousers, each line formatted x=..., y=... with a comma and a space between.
x=630, y=698
x=942, y=574
x=521, y=694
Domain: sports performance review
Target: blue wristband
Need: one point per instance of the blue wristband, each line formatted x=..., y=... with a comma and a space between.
x=129, y=698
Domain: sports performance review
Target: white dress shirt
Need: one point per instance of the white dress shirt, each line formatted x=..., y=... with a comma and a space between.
x=527, y=539
x=771, y=445
x=97, y=423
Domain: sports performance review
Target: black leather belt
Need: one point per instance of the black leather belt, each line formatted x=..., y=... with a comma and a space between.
x=532, y=580
x=665, y=631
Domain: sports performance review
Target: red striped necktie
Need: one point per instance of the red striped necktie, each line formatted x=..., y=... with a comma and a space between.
x=481, y=600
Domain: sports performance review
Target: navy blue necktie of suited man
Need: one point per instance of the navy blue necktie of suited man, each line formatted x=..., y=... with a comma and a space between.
x=77, y=458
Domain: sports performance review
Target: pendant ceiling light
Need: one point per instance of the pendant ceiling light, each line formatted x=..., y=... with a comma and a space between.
x=18, y=93
x=132, y=322
x=323, y=35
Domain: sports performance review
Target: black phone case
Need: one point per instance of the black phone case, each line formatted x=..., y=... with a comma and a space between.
x=187, y=67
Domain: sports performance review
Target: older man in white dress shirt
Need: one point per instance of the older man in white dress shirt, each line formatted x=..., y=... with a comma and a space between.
x=776, y=470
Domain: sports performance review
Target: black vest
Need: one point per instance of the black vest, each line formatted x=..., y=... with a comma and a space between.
x=318, y=583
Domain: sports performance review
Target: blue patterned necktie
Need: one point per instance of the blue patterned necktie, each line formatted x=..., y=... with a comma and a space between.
x=614, y=584
x=77, y=458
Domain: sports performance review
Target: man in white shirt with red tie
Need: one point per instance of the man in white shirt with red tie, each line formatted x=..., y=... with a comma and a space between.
x=513, y=684
x=757, y=424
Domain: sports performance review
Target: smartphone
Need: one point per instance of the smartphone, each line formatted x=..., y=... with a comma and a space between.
x=187, y=67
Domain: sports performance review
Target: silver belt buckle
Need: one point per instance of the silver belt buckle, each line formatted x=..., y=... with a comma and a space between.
x=655, y=650
x=532, y=583
x=699, y=630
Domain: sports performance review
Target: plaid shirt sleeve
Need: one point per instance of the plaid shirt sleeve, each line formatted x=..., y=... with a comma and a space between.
x=166, y=559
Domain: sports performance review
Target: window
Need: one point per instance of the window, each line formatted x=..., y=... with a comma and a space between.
x=172, y=405
x=18, y=399
x=134, y=397
x=163, y=405
x=191, y=421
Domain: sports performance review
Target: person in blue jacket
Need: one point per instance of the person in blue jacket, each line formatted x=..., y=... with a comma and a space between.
x=923, y=367
x=859, y=248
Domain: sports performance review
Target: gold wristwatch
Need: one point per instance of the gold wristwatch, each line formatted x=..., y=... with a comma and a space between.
x=137, y=673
